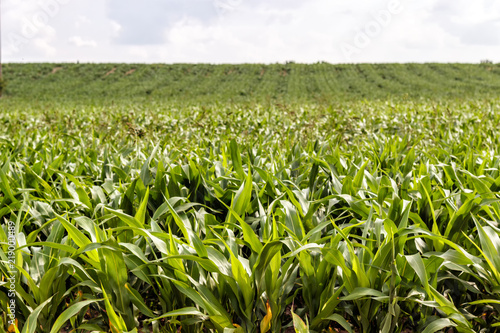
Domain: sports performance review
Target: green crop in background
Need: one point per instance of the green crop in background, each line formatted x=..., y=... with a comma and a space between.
x=192, y=84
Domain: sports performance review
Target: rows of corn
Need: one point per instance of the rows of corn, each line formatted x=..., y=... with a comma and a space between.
x=360, y=217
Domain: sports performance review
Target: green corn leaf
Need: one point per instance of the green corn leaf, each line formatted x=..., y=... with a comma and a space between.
x=188, y=311
x=299, y=325
x=242, y=198
x=236, y=158
x=250, y=237
x=69, y=313
x=438, y=325
x=140, y=216
x=30, y=325
x=339, y=319
x=363, y=292
x=418, y=266
x=116, y=322
x=138, y=301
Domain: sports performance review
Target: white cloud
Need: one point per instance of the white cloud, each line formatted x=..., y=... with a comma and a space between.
x=115, y=27
x=44, y=46
x=81, y=42
x=250, y=31
x=82, y=21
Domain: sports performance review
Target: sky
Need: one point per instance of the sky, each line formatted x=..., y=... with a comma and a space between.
x=250, y=31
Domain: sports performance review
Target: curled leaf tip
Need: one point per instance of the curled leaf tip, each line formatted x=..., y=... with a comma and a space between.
x=265, y=324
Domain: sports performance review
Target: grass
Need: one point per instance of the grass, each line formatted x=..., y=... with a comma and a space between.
x=319, y=83
x=355, y=216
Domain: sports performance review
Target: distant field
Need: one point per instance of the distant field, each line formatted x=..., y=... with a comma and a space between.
x=250, y=198
x=286, y=83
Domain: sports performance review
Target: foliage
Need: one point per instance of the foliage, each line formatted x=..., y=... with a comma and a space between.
x=2, y=86
x=195, y=84
x=368, y=216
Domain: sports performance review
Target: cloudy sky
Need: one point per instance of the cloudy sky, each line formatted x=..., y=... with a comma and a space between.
x=237, y=31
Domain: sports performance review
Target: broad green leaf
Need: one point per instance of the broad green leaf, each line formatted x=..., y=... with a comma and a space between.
x=339, y=319
x=30, y=325
x=140, y=216
x=438, y=325
x=236, y=158
x=299, y=325
x=69, y=313
x=189, y=311
x=418, y=266
x=360, y=292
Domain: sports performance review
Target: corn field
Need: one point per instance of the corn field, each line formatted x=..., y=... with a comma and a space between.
x=356, y=217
